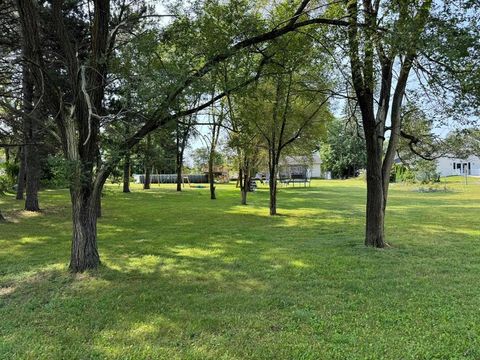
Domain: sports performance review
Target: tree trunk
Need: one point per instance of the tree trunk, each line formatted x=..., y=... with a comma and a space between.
x=98, y=206
x=211, y=179
x=84, y=253
x=146, y=183
x=32, y=170
x=126, y=173
x=241, y=182
x=244, y=196
x=375, y=217
x=245, y=184
x=273, y=188
x=2, y=219
x=21, y=176
x=179, y=166
x=31, y=149
x=179, y=175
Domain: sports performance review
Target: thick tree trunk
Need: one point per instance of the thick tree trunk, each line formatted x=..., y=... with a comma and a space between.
x=31, y=149
x=375, y=217
x=98, y=206
x=84, y=253
x=21, y=176
x=32, y=171
x=146, y=183
x=126, y=173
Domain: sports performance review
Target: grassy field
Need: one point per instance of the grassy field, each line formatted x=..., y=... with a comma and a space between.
x=184, y=277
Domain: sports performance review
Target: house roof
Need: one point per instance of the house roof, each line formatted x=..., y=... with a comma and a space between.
x=313, y=159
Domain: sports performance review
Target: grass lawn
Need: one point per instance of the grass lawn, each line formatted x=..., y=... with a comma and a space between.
x=184, y=277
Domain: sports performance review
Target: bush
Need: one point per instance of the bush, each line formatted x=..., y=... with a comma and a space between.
x=423, y=171
x=56, y=171
x=5, y=184
x=400, y=173
x=426, y=172
x=8, y=174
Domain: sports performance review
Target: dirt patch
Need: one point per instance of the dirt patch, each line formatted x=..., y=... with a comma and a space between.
x=5, y=291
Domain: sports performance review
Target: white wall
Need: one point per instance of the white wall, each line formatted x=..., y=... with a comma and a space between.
x=445, y=166
x=315, y=170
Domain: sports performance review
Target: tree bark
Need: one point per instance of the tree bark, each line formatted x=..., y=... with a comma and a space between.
x=126, y=173
x=146, y=183
x=21, y=176
x=98, y=206
x=179, y=162
x=211, y=179
x=84, y=252
x=245, y=182
x=244, y=196
x=211, y=158
x=31, y=149
x=273, y=187
x=375, y=215
x=179, y=171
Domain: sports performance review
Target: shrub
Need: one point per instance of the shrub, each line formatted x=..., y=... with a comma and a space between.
x=56, y=171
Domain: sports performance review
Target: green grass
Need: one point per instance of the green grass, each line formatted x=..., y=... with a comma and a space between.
x=184, y=277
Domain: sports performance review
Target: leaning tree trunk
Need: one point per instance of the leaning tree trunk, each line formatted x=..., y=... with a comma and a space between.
x=21, y=176
x=126, y=173
x=84, y=252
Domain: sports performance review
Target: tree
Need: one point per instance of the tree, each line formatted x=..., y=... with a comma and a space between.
x=368, y=47
x=21, y=177
x=77, y=119
x=343, y=151
x=217, y=117
x=386, y=42
x=245, y=140
x=291, y=103
x=182, y=134
x=463, y=143
x=126, y=165
x=20, y=100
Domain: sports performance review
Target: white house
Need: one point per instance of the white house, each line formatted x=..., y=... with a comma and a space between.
x=448, y=166
x=302, y=165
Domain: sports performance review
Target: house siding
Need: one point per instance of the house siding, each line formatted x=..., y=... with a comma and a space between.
x=448, y=166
